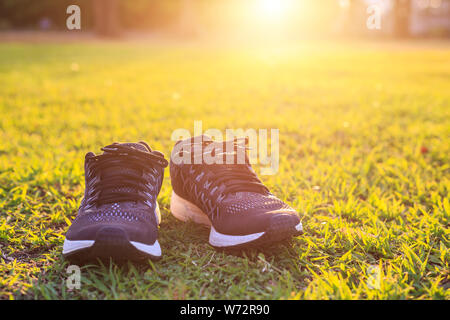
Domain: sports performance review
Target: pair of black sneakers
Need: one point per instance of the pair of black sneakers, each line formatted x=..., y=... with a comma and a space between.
x=119, y=215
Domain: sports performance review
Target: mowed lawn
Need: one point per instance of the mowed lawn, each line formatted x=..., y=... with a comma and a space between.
x=364, y=158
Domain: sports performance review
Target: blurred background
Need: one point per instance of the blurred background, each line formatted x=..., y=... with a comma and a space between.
x=246, y=19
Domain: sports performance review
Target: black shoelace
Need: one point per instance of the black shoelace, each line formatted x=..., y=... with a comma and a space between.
x=123, y=185
x=236, y=178
x=233, y=177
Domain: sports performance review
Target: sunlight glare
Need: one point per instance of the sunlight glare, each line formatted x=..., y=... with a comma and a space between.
x=273, y=9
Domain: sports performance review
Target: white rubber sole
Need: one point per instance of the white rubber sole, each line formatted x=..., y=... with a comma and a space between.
x=152, y=249
x=218, y=239
x=75, y=245
x=186, y=211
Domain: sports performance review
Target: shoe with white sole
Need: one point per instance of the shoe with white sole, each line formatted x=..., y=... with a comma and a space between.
x=229, y=198
x=119, y=216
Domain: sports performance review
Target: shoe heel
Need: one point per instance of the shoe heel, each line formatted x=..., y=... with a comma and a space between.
x=186, y=211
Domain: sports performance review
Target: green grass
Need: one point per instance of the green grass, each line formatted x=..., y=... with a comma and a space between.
x=364, y=157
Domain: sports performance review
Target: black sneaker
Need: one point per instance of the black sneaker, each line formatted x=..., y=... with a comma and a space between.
x=119, y=215
x=228, y=197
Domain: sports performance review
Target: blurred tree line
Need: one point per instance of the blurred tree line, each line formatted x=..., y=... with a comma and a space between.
x=109, y=17
x=105, y=16
x=20, y=14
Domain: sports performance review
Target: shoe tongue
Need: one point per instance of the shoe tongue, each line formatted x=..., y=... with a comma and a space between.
x=123, y=168
x=137, y=146
x=194, y=142
x=203, y=146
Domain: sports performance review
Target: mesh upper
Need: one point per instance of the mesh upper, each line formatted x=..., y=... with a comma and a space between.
x=137, y=218
x=118, y=212
x=128, y=211
x=243, y=202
